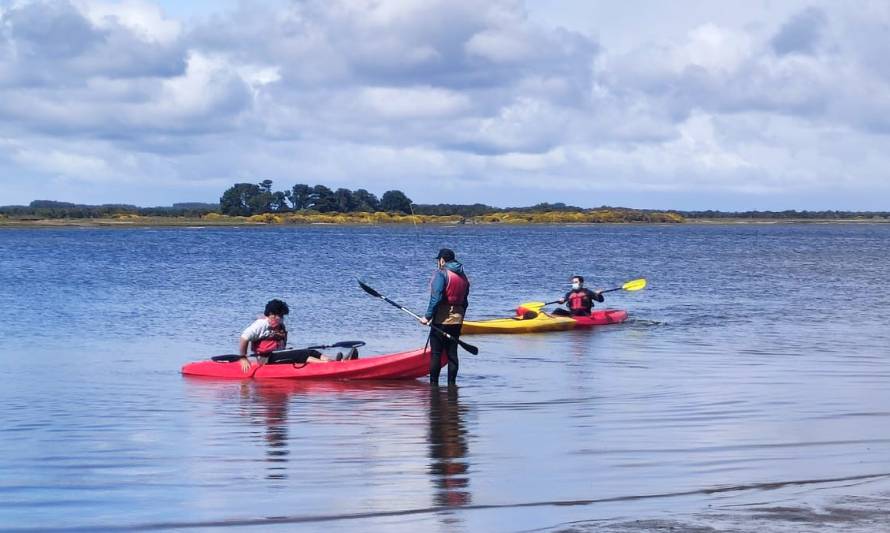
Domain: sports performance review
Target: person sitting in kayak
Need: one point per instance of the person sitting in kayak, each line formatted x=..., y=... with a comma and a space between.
x=268, y=334
x=580, y=299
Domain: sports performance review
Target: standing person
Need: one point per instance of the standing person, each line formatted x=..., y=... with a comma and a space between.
x=449, y=289
x=266, y=335
x=580, y=299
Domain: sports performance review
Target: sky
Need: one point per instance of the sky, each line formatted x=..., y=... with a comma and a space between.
x=688, y=104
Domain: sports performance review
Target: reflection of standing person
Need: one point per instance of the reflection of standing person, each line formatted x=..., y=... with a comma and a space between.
x=448, y=448
x=268, y=406
x=275, y=404
x=449, y=290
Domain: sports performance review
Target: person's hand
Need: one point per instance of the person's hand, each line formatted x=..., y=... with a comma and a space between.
x=425, y=321
x=245, y=364
x=562, y=300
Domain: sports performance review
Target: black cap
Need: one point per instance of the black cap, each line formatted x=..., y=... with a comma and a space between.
x=446, y=253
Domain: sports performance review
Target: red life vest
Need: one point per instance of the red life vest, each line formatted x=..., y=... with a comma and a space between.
x=579, y=301
x=456, y=288
x=270, y=344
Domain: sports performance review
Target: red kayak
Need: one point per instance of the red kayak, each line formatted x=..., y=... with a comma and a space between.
x=405, y=365
x=600, y=317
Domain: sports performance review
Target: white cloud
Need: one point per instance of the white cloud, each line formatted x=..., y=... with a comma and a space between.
x=413, y=102
x=499, y=46
x=62, y=163
x=143, y=18
x=735, y=101
x=712, y=48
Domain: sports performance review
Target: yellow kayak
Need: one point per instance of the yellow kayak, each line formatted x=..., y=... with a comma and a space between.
x=540, y=322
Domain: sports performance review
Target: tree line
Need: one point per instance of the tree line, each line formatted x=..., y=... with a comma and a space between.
x=246, y=199
x=786, y=214
x=50, y=209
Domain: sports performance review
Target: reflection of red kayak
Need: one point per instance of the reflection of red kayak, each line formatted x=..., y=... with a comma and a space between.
x=600, y=317
x=405, y=365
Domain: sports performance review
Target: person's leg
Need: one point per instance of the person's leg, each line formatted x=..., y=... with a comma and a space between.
x=453, y=363
x=436, y=342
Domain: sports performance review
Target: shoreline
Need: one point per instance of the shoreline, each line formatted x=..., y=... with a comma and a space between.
x=144, y=222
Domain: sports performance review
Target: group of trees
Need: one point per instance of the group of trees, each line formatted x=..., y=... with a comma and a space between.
x=246, y=199
x=50, y=209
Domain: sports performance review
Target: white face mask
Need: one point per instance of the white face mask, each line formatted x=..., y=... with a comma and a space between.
x=576, y=286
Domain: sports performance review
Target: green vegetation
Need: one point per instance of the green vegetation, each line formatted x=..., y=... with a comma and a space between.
x=257, y=203
x=48, y=209
x=248, y=199
x=786, y=215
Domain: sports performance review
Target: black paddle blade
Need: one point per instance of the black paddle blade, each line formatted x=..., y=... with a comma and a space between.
x=341, y=344
x=348, y=344
x=368, y=290
x=468, y=347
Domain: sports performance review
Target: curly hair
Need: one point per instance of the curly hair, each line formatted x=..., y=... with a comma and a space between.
x=276, y=307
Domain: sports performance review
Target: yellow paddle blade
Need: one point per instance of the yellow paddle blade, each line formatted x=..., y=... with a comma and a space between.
x=634, y=285
x=533, y=306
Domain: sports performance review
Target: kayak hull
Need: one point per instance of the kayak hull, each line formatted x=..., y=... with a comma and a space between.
x=600, y=317
x=544, y=322
x=405, y=365
x=541, y=323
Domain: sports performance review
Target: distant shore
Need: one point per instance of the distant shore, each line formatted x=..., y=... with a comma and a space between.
x=387, y=219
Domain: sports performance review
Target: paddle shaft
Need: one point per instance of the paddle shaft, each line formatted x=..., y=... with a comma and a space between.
x=640, y=283
x=434, y=328
x=466, y=346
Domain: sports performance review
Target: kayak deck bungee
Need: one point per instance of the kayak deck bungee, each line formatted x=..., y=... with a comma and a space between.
x=404, y=365
x=544, y=322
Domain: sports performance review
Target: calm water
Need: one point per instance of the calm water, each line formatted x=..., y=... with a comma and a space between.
x=755, y=371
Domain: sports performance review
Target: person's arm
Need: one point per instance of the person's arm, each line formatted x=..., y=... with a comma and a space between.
x=565, y=298
x=597, y=295
x=436, y=293
x=249, y=334
x=242, y=349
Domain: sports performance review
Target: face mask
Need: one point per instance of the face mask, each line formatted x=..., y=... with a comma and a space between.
x=576, y=286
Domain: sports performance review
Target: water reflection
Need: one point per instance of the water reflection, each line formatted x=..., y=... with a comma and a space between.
x=449, y=468
x=273, y=405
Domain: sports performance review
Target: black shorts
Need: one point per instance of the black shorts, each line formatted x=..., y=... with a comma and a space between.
x=283, y=357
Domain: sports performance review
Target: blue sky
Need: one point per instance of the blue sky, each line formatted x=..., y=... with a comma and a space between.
x=673, y=105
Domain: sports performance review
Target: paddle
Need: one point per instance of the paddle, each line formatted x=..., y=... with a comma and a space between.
x=468, y=347
x=229, y=358
x=630, y=286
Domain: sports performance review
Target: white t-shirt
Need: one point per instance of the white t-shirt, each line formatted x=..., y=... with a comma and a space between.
x=258, y=330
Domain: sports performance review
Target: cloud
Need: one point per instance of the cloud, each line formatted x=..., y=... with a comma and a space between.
x=413, y=102
x=53, y=44
x=801, y=34
x=481, y=97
